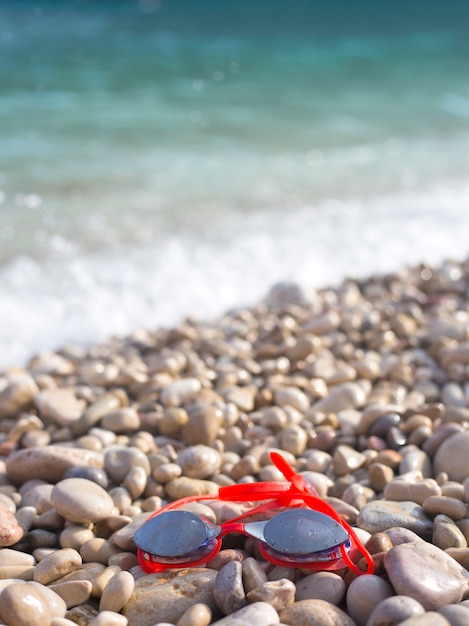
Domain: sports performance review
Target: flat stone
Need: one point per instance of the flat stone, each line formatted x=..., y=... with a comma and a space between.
x=228, y=590
x=392, y=611
x=164, y=597
x=81, y=501
x=379, y=515
x=427, y=574
x=317, y=612
x=48, y=463
x=451, y=457
x=321, y=586
x=60, y=405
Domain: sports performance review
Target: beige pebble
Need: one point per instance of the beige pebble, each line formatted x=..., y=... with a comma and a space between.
x=197, y=615
x=73, y=593
x=446, y=534
x=166, y=472
x=180, y=391
x=109, y=618
x=117, y=592
x=401, y=489
x=102, y=579
x=184, y=486
x=346, y=459
x=135, y=482
x=326, y=586
x=293, y=439
x=21, y=572
x=278, y=593
x=199, y=461
x=10, y=531
x=57, y=564
x=75, y=536
x=203, y=425
x=61, y=621
x=81, y=501
x=364, y=594
x=430, y=618
x=392, y=611
x=380, y=475
x=256, y=613
x=48, y=463
x=17, y=394
x=317, y=612
x=123, y=420
x=348, y=395
x=124, y=560
x=292, y=396
x=119, y=460
x=98, y=550
x=22, y=604
x=452, y=458
x=106, y=403
x=60, y=405
x=452, y=507
x=16, y=557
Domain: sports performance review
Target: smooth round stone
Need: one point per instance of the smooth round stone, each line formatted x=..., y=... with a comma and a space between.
x=392, y=611
x=430, y=618
x=109, y=618
x=452, y=458
x=73, y=592
x=228, y=590
x=75, y=536
x=427, y=574
x=399, y=535
x=117, y=592
x=321, y=586
x=57, y=564
x=166, y=472
x=119, y=460
x=184, y=486
x=257, y=613
x=10, y=531
x=346, y=459
x=166, y=596
x=380, y=476
x=317, y=612
x=59, y=405
x=293, y=439
x=95, y=474
x=16, y=557
x=379, y=515
x=345, y=396
x=98, y=550
x=18, y=394
x=401, y=489
x=123, y=420
x=452, y=507
x=203, y=426
x=49, y=463
x=81, y=501
x=364, y=594
x=198, y=615
x=180, y=391
x=456, y=614
x=446, y=534
x=22, y=604
x=278, y=593
x=416, y=460
x=199, y=461
x=135, y=482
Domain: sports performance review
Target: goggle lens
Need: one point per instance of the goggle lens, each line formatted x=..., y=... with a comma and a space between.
x=176, y=537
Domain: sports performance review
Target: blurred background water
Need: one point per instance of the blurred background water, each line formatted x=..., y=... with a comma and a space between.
x=164, y=158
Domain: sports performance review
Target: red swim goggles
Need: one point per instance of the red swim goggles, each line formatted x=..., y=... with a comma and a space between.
x=307, y=532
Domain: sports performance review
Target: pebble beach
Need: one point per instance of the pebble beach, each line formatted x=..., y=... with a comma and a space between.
x=362, y=387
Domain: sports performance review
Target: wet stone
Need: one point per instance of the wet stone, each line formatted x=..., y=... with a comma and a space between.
x=427, y=574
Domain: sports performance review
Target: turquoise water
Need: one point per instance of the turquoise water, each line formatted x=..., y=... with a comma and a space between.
x=160, y=159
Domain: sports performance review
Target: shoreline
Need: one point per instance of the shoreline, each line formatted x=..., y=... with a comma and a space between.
x=362, y=387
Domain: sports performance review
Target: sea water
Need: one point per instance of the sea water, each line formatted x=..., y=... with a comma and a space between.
x=166, y=158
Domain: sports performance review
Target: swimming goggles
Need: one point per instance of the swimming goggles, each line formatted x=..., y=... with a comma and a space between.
x=307, y=532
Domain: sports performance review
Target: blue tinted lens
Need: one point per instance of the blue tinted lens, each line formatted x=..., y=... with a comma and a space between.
x=175, y=536
x=303, y=532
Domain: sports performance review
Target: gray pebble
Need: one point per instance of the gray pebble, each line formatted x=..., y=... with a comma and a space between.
x=392, y=611
x=228, y=590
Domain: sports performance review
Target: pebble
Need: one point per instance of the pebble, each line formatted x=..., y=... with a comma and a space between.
x=446, y=534
x=57, y=564
x=119, y=460
x=456, y=614
x=346, y=459
x=184, y=486
x=109, y=618
x=165, y=597
x=123, y=420
x=278, y=593
x=364, y=594
x=117, y=592
x=401, y=489
x=22, y=604
x=379, y=515
x=81, y=501
x=427, y=574
x=203, y=426
x=98, y=550
x=256, y=613
x=326, y=586
x=430, y=618
x=228, y=590
x=451, y=507
x=392, y=611
x=106, y=403
x=95, y=474
x=197, y=615
x=60, y=406
x=17, y=395
x=451, y=457
x=317, y=612
x=345, y=396
x=73, y=592
x=10, y=530
x=199, y=461
x=48, y=463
